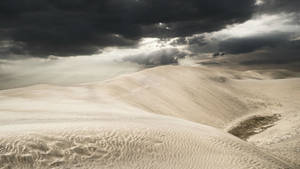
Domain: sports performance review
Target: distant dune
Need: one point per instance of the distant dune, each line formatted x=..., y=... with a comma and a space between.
x=169, y=117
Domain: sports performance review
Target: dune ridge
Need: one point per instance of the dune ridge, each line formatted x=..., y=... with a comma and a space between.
x=164, y=117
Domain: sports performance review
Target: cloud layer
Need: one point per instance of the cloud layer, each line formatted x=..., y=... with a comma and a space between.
x=268, y=30
x=76, y=27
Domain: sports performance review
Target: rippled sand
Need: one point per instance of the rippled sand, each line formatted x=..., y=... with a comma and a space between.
x=171, y=117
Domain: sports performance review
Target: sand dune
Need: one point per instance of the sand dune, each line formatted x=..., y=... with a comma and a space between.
x=165, y=117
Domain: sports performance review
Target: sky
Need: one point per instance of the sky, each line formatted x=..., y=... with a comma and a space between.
x=76, y=41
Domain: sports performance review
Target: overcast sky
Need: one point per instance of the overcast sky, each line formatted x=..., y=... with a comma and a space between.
x=43, y=39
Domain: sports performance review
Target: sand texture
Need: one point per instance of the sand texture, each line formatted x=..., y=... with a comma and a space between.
x=169, y=117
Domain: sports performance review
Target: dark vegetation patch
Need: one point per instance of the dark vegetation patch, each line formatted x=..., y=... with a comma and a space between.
x=254, y=125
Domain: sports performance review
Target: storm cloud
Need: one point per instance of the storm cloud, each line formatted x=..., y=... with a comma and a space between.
x=266, y=48
x=288, y=52
x=253, y=43
x=41, y=28
x=76, y=27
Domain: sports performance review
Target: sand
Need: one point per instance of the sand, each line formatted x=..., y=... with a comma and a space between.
x=169, y=117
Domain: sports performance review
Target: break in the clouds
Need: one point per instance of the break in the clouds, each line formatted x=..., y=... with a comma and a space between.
x=275, y=6
x=82, y=27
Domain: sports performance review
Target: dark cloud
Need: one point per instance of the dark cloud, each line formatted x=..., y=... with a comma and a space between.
x=156, y=58
x=253, y=43
x=76, y=27
x=278, y=46
x=287, y=52
x=272, y=52
x=272, y=48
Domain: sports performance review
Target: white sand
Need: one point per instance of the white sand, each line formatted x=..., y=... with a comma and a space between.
x=121, y=123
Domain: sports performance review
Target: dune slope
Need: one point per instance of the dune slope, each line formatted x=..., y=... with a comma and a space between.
x=165, y=117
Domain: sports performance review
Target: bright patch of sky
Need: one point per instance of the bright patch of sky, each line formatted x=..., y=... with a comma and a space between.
x=260, y=25
x=259, y=2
